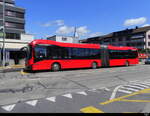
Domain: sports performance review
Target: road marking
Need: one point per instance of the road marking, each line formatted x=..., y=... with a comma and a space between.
x=53, y=99
x=114, y=92
x=134, y=87
x=68, y=95
x=126, y=96
x=126, y=100
x=127, y=88
x=141, y=84
x=124, y=91
x=32, y=103
x=9, y=107
x=23, y=73
x=93, y=90
x=134, y=81
x=128, y=112
x=147, y=83
x=91, y=109
x=105, y=88
x=82, y=93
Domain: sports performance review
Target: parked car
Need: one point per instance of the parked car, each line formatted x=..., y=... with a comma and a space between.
x=147, y=61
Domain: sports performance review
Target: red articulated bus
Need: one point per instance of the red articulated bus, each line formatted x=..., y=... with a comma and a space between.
x=52, y=55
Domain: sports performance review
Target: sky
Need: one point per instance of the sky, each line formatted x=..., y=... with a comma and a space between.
x=90, y=17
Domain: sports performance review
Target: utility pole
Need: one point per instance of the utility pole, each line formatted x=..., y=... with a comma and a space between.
x=75, y=31
x=76, y=36
x=3, y=33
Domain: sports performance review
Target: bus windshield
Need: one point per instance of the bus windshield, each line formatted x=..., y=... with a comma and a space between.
x=40, y=53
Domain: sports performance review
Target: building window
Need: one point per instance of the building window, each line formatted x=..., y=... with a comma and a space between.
x=148, y=43
x=64, y=39
x=106, y=40
x=120, y=39
x=128, y=44
x=128, y=39
x=14, y=14
x=113, y=40
x=12, y=36
x=14, y=25
x=148, y=36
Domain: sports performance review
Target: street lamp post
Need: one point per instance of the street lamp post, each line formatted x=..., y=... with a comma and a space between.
x=3, y=34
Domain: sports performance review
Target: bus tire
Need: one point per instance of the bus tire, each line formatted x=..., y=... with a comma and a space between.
x=56, y=67
x=94, y=65
x=127, y=63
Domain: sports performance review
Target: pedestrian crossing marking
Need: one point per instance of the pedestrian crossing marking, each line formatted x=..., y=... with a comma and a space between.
x=91, y=109
x=141, y=84
x=124, y=91
x=127, y=88
x=133, y=86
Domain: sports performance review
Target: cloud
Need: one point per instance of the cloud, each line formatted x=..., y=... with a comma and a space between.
x=82, y=30
x=65, y=30
x=137, y=21
x=53, y=23
x=95, y=34
x=146, y=25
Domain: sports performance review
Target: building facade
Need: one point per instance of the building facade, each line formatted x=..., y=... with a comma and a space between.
x=65, y=39
x=15, y=36
x=138, y=37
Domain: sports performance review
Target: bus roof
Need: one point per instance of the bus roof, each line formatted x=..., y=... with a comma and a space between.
x=80, y=45
x=50, y=42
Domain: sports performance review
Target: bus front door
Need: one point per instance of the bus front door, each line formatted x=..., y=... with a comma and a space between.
x=104, y=56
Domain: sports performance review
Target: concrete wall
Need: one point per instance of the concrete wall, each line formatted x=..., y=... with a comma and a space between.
x=27, y=37
x=69, y=39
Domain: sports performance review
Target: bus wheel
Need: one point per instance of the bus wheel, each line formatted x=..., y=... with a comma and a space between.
x=127, y=63
x=56, y=67
x=94, y=65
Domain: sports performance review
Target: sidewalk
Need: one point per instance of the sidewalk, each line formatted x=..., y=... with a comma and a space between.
x=11, y=68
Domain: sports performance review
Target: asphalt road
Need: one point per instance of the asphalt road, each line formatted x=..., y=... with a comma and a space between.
x=76, y=91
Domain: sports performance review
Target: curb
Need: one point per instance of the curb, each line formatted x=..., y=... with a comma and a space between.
x=10, y=70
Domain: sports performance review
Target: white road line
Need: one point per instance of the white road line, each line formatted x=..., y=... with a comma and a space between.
x=53, y=99
x=32, y=103
x=68, y=95
x=105, y=88
x=127, y=88
x=93, y=90
x=82, y=93
x=142, y=84
x=134, y=86
x=134, y=81
x=9, y=107
x=147, y=83
x=115, y=91
x=124, y=91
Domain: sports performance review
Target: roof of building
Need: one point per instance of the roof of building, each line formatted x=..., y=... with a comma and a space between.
x=132, y=31
x=142, y=29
